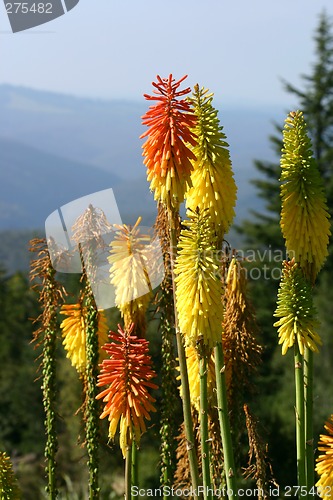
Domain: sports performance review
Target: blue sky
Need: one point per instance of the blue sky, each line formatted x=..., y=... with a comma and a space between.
x=107, y=49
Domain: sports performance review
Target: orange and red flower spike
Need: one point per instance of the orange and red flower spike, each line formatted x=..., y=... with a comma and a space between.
x=128, y=374
x=167, y=157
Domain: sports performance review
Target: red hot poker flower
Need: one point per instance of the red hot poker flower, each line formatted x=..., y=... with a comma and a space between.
x=127, y=373
x=167, y=157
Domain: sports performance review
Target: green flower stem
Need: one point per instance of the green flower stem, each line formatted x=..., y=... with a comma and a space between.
x=128, y=473
x=49, y=385
x=92, y=413
x=49, y=391
x=169, y=425
x=192, y=455
x=308, y=379
x=300, y=419
x=91, y=373
x=205, y=452
x=135, y=465
x=222, y=404
x=51, y=293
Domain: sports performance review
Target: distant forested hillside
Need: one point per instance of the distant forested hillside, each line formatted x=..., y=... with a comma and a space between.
x=55, y=147
x=14, y=250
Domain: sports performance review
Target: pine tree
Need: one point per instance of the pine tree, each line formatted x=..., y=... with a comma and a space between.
x=315, y=99
x=316, y=102
x=264, y=230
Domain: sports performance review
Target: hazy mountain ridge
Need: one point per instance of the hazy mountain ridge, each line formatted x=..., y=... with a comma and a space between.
x=55, y=148
x=101, y=133
x=35, y=183
x=106, y=133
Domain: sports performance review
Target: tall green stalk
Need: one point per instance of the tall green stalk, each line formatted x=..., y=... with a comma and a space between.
x=308, y=383
x=170, y=395
x=49, y=388
x=92, y=412
x=222, y=407
x=204, y=434
x=49, y=396
x=128, y=473
x=189, y=433
x=135, y=465
x=300, y=419
x=169, y=428
x=50, y=294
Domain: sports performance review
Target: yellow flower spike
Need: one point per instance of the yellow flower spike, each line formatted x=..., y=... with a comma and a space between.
x=296, y=310
x=192, y=360
x=324, y=466
x=74, y=334
x=304, y=216
x=198, y=284
x=129, y=263
x=9, y=489
x=214, y=187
